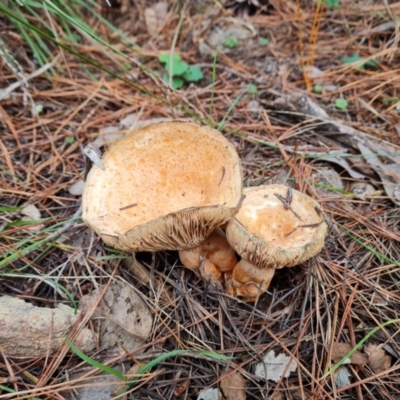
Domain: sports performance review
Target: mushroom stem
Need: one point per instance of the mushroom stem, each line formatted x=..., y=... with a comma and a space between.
x=212, y=258
x=248, y=281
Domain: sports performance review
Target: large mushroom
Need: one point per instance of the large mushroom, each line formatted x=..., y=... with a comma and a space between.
x=166, y=186
x=212, y=259
x=275, y=227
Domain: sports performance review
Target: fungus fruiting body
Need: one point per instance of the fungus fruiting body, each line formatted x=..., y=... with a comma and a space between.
x=212, y=259
x=166, y=186
x=275, y=227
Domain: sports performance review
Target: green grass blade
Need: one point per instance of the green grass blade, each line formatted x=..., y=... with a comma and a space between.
x=231, y=107
x=358, y=345
x=213, y=79
x=170, y=354
x=94, y=363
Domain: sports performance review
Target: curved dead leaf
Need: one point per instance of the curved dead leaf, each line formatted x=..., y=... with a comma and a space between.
x=339, y=350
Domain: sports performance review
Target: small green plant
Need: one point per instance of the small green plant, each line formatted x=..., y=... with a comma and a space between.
x=363, y=63
x=341, y=104
x=179, y=70
x=251, y=88
x=69, y=140
x=388, y=100
x=231, y=42
x=38, y=108
x=318, y=89
x=331, y=3
x=263, y=41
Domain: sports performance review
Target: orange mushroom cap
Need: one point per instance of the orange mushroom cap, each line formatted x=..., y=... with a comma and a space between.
x=166, y=186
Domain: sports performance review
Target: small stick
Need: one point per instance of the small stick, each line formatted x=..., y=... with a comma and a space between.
x=312, y=225
x=315, y=225
x=128, y=206
x=222, y=177
x=287, y=201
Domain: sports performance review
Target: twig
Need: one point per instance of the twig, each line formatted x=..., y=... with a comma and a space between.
x=4, y=93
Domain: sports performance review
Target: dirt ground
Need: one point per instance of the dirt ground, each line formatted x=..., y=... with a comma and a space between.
x=309, y=95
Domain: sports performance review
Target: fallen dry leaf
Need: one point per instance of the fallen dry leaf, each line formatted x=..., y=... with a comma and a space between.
x=210, y=394
x=342, y=377
x=182, y=387
x=76, y=189
x=339, y=350
x=327, y=182
x=378, y=361
x=31, y=211
x=298, y=394
x=362, y=190
x=382, y=156
x=233, y=387
x=150, y=18
x=276, y=396
x=275, y=367
x=124, y=319
x=154, y=17
x=27, y=331
x=388, y=172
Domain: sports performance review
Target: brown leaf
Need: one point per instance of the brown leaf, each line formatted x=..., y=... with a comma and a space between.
x=182, y=387
x=234, y=386
x=155, y=16
x=378, y=361
x=298, y=394
x=339, y=350
x=381, y=156
x=276, y=396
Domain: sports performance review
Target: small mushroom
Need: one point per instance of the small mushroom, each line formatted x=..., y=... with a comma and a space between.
x=275, y=227
x=166, y=186
x=212, y=258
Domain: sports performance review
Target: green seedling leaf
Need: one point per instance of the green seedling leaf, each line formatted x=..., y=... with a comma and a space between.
x=318, y=89
x=341, y=104
x=166, y=57
x=373, y=63
x=350, y=59
x=193, y=74
x=333, y=3
x=176, y=67
x=356, y=57
x=173, y=65
x=263, y=41
x=38, y=108
x=330, y=3
x=251, y=88
x=231, y=42
x=69, y=139
x=177, y=82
